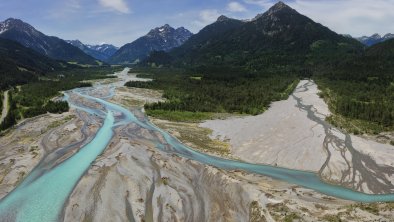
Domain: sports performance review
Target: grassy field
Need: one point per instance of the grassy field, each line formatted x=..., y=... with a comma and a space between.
x=194, y=136
x=180, y=116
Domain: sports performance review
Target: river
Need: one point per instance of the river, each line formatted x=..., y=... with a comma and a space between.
x=43, y=193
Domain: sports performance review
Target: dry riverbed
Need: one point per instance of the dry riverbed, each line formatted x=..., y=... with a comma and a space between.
x=293, y=134
x=134, y=181
x=24, y=146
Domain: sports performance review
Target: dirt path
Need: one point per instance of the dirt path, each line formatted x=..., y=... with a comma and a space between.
x=5, y=107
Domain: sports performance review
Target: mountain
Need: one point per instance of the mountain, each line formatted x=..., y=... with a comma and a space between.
x=107, y=50
x=208, y=36
x=162, y=38
x=278, y=37
x=101, y=52
x=384, y=51
x=53, y=47
x=19, y=65
x=374, y=39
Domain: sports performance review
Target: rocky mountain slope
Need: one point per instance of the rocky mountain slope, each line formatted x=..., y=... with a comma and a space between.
x=162, y=38
x=53, y=47
x=374, y=39
x=101, y=52
x=19, y=65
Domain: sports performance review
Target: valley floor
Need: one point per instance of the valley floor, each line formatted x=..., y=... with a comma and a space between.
x=134, y=181
x=293, y=134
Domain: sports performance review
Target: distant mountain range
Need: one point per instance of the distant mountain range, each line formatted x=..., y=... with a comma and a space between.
x=53, y=47
x=279, y=34
x=374, y=39
x=162, y=38
x=101, y=52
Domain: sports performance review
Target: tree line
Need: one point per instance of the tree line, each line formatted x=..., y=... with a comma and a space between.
x=237, y=91
x=362, y=87
x=35, y=97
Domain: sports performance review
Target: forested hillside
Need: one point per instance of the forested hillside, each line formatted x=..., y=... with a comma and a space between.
x=220, y=91
x=279, y=39
x=281, y=45
x=363, y=88
x=242, y=66
x=20, y=65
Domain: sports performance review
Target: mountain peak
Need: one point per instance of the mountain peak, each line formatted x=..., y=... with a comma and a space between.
x=280, y=4
x=162, y=38
x=13, y=20
x=222, y=18
x=183, y=31
x=165, y=27
x=376, y=36
x=279, y=17
x=74, y=41
x=26, y=35
x=161, y=30
x=12, y=23
x=388, y=36
x=181, y=28
x=279, y=7
x=374, y=39
x=277, y=11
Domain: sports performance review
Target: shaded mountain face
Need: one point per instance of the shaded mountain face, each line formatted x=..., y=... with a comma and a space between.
x=106, y=49
x=211, y=35
x=100, y=52
x=53, y=47
x=384, y=51
x=19, y=65
x=373, y=71
x=278, y=36
x=162, y=38
x=375, y=39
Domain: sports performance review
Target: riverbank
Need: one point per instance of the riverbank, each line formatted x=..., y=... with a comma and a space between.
x=24, y=147
x=293, y=134
x=142, y=175
x=153, y=185
x=5, y=107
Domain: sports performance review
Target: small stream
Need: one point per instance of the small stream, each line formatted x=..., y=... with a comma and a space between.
x=42, y=195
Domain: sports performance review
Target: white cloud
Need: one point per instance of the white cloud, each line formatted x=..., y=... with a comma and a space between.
x=74, y=4
x=236, y=7
x=355, y=17
x=263, y=3
x=209, y=15
x=117, y=5
x=206, y=17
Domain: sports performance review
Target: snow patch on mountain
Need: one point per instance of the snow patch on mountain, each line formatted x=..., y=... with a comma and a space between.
x=374, y=39
x=162, y=38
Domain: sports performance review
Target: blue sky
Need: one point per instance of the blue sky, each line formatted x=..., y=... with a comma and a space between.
x=122, y=21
